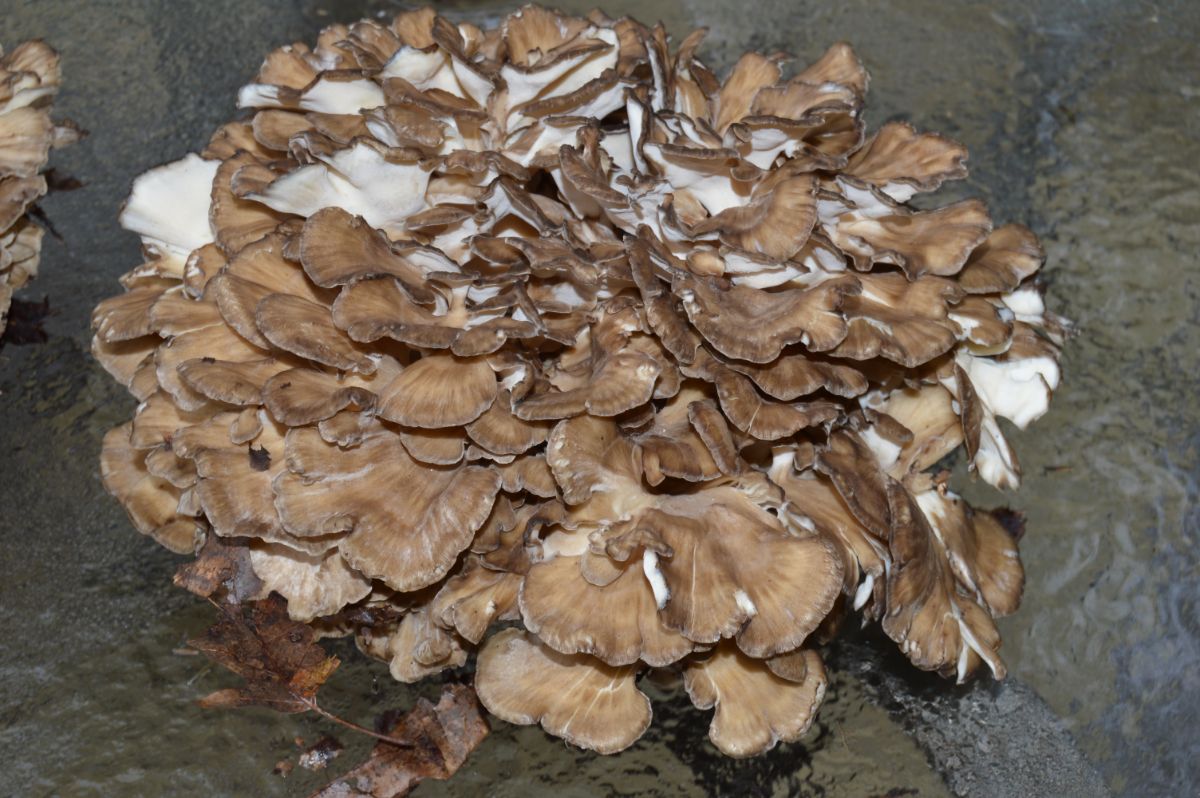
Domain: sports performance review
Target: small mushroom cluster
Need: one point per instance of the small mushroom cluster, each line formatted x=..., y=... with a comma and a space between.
x=545, y=343
x=29, y=79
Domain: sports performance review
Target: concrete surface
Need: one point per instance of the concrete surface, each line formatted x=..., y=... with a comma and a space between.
x=1082, y=119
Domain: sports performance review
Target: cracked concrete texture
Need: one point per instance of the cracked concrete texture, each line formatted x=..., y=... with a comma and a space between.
x=1082, y=121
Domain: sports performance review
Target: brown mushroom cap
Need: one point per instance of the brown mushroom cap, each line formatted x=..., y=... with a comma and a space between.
x=814, y=502
x=938, y=623
x=577, y=698
x=440, y=391
x=151, y=502
x=618, y=623
x=469, y=601
x=499, y=430
x=406, y=539
x=898, y=160
x=548, y=326
x=729, y=573
x=981, y=551
x=672, y=447
x=758, y=703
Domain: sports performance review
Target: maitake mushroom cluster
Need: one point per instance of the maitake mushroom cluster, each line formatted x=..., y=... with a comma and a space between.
x=29, y=79
x=544, y=342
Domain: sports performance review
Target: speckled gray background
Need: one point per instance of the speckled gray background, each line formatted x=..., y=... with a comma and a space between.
x=1083, y=121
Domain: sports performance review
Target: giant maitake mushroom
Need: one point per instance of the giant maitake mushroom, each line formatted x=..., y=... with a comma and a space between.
x=546, y=327
x=29, y=79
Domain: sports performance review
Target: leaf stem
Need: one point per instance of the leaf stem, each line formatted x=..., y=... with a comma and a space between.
x=312, y=704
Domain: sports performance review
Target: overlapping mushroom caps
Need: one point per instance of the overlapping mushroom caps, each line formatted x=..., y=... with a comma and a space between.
x=29, y=79
x=544, y=342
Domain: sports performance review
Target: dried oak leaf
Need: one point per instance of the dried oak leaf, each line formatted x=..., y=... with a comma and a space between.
x=442, y=737
x=277, y=657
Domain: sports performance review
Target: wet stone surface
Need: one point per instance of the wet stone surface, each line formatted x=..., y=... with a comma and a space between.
x=1083, y=121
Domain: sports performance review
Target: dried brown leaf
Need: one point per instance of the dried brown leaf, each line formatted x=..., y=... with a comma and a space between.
x=441, y=737
x=277, y=657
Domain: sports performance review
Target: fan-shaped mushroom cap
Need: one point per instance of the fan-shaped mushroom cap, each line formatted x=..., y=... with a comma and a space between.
x=928, y=414
x=151, y=502
x=750, y=411
x=1007, y=257
x=169, y=205
x=860, y=481
x=237, y=222
x=981, y=551
x=301, y=396
x=197, y=344
x=529, y=473
x=906, y=322
x=407, y=539
x=234, y=486
x=937, y=622
x=338, y=248
x=758, y=704
x=813, y=502
x=306, y=329
x=440, y=391
x=590, y=456
x=672, y=447
x=747, y=324
x=876, y=230
x=469, y=601
x=157, y=418
x=775, y=222
x=728, y=572
x=499, y=430
x=313, y=584
x=792, y=376
x=577, y=698
x=618, y=623
x=900, y=162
